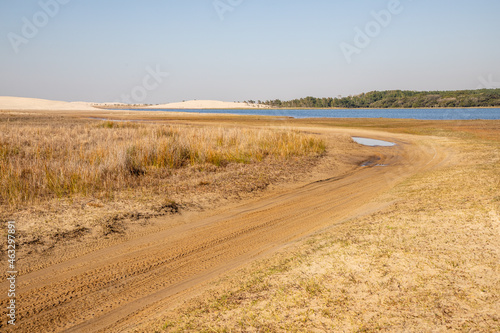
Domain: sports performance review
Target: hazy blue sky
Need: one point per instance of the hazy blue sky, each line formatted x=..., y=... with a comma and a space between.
x=235, y=50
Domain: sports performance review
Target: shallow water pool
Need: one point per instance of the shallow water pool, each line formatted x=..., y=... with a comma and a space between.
x=372, y=142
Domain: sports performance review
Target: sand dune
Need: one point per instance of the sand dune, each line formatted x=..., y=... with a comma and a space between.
x=206, y=104
x=21, y=103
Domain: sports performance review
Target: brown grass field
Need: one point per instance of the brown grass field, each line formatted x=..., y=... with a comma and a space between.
x=52, y=168
x=192, y=223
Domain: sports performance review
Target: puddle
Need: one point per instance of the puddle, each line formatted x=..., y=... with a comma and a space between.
x=372, y=142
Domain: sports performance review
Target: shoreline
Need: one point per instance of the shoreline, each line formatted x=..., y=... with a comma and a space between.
x=423, y=108
x=165, y=114
x=417, y=114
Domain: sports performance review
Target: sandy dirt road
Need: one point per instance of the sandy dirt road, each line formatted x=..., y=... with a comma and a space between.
x=126, y=285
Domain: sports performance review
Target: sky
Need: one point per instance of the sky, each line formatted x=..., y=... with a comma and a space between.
x=158, y=51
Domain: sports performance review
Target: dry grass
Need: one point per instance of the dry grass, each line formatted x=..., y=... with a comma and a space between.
x=429, y=262
x=41, y=161
x=66, y=179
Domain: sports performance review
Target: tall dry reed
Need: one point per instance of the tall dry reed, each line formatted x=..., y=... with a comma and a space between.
x=42, y=161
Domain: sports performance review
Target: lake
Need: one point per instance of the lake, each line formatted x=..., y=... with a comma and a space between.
x=423, y=114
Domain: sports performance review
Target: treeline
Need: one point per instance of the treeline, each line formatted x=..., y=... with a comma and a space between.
x=397, y=99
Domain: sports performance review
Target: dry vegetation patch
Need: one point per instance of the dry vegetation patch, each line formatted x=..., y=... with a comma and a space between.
x=64, y=174
x=53, y=160
x=429, y=262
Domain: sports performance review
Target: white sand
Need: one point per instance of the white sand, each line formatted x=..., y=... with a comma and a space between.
x=207, y=104
x=21, y=103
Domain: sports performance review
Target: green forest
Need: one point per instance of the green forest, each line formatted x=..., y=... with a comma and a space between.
x=397, y=99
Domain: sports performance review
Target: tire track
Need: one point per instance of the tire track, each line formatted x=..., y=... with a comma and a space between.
x=106, y=289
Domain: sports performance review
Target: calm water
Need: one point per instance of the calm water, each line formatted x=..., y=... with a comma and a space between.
x=424, y=114
x=372, y=142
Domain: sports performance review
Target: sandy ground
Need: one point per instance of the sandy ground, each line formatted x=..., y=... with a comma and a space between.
x=429, y=261
x=124, y=284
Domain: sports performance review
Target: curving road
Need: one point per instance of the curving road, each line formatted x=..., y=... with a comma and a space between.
x=123, y=285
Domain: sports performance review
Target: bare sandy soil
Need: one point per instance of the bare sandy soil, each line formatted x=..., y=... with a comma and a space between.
x=429, y=261
x=126, y=283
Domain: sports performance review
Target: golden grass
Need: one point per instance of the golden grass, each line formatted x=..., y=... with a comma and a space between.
x=41, y=161
x=429, y=262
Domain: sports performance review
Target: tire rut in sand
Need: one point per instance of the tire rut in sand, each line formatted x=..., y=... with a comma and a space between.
x=107, y=293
